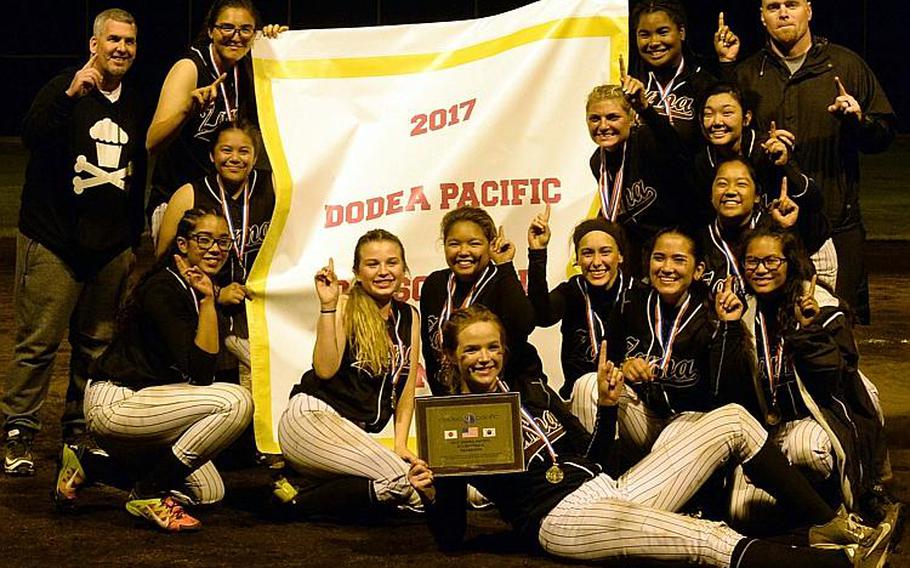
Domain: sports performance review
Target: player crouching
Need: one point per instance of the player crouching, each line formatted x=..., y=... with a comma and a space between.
x=152, y=403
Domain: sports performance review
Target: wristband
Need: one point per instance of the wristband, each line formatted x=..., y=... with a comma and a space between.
x=332, y=311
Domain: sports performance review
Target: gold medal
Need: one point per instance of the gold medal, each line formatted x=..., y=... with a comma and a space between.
x=773, y=416
x=554, y=474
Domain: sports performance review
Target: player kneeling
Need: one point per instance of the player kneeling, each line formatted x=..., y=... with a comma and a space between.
x=568, y=506
x=152, y=403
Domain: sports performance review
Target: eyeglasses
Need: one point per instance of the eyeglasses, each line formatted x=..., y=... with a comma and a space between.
x=772, y=263
x=230, y=29
x=206, y=241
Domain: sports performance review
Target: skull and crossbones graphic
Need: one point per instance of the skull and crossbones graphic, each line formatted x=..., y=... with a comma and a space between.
x=109, y=141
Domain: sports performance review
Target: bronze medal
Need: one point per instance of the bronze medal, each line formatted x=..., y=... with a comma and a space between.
x=773, y=416
x=554, y=474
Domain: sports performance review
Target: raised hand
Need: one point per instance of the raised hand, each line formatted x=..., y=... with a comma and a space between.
x=844, y=104
x=784, y=211
x=726, y=44
x=204, y=96
x=609, y=379
x=502, y=250
x=195, y=277
x=233, y=293
x=421, y=477
x=271, y=31
x=85, y=79
x=633, y=89
x=806, y=309
x=779, y=145
x=539, y=230
x=637, y=370
x=327, y=287
x=727, y=303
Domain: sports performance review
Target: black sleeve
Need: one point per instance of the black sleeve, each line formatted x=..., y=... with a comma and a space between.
x=604, y=435
x=137, y=197
x=875, y=132
x=512, y=305
x=549, y=307
x=447, y=516
x=812, y=224
x=824, y=353
x=616, y=325
x=672, y=150
x=170, y=312
x=731, y=365
x=49, y=116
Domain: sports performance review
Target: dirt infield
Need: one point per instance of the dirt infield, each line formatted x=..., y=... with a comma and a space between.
x=238, y=533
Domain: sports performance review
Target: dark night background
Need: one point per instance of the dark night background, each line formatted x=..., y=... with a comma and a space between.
x=44, y=36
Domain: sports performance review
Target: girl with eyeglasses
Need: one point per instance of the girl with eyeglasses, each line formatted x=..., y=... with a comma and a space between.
x=807, y=390
x=729, y=136
x=565, y=504
x=211, y=85
x=364, y=373
x=153, y=403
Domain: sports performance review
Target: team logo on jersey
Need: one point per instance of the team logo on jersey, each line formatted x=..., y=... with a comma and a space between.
x=637, y=198
x=533, y=443
x=109, y=142
x=680, y=106
x=210, y=118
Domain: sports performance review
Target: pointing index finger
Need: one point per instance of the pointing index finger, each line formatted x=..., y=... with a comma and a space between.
x=720, y=20
x=91, y=61
x=622, y=67
x=546, y=213
x=219, y=80
x=783, y=188
x=602, y=361
x=331, y=264
x=812, y=283
x=840, y=86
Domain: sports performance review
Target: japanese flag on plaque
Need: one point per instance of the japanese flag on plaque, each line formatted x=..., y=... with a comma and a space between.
x=394, y=126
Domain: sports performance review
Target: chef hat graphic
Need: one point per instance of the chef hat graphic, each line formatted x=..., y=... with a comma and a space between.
x=109, y=140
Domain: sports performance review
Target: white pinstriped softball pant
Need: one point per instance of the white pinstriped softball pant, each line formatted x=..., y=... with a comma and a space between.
x=633, y=517
x=195, y=422
x=804, y=442
x=319, y=442
x=807, y=446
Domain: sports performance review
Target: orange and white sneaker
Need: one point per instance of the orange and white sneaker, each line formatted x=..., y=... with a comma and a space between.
x=165, y=513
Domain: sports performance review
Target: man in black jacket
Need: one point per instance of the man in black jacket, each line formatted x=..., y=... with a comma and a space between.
x=829, y=98
x=81, y=214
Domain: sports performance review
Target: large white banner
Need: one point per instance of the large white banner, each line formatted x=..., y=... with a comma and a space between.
x=394, y=126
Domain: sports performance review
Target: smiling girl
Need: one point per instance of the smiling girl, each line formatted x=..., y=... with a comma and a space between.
x=480, y=271
x=641, y=188
x=211, y=85
x=584, y=302
x=363, y=375
x=674, y=77
x=808, y=390
x=152, y=402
